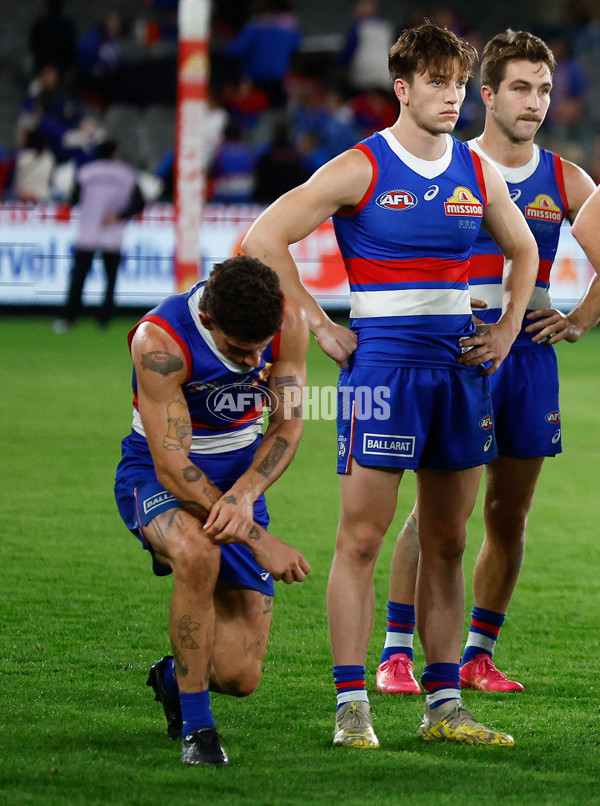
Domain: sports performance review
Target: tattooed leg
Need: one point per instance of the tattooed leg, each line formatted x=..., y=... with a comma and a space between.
x=242, y=624
x=177, y=536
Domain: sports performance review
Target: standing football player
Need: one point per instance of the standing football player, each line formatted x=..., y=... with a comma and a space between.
x=516, y=77
x=407, y=204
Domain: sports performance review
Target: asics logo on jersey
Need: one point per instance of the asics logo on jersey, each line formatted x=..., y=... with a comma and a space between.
x=553, y=417
x=515, y=195
x=486, y=422
x=544, y=208
x=462, y=202
x=431, y=193
x=397, y=200
x=488, y=443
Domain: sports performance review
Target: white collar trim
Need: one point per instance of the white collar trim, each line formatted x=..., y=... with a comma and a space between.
x=428, y=169
x=512, y=175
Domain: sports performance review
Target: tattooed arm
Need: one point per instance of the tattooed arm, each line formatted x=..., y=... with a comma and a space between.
x=279, y=443
x=161, y=369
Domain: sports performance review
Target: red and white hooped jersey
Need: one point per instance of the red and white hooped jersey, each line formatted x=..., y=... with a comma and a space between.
x=538, y=190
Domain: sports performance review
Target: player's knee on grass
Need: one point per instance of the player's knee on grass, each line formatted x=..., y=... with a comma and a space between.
x=238, y=682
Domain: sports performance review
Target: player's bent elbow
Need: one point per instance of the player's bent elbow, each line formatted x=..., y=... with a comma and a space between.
x=251, y=244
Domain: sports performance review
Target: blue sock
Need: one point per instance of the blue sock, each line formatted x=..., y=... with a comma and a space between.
x=483, y=633
x=350, y=684
x=169, y=677
x=195, y=711
x=400, y=631
x=441, y=682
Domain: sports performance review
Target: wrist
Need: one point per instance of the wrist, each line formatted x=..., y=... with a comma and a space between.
x=511, y=323
x=319, y=323
x=255, y=537
x=577, y=323
x=243, y=494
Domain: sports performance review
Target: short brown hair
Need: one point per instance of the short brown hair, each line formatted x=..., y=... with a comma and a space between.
x=432, y=48
x=243, y=298
x=507, y=47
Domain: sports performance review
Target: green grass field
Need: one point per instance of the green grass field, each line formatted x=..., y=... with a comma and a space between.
x=83, y=618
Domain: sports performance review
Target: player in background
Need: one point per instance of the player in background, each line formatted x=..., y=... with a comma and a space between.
x=516, y=77
x=407, y=204
x=191, y=481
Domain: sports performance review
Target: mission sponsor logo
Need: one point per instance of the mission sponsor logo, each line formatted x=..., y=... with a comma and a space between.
x=388, y=445
x=544, y=208
x=463, y=203
x=397, y=200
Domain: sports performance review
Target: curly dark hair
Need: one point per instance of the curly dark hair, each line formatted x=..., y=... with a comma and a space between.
x=432, y=48
x=507, y=47
x=243, y=298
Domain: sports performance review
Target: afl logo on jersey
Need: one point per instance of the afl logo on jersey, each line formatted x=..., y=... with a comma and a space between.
x=397, y=200
x=463, y=203
x=486, y=422
x=553, y=417
x=544, y=208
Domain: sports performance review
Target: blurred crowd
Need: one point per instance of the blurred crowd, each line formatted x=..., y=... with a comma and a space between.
x=276, y=112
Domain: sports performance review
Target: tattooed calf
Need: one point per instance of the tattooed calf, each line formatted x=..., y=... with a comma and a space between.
x=186, y=627
x=182, y=668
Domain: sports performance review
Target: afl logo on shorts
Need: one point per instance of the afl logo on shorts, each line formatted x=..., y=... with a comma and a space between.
x=397, y=200
x=553, y=417
x=486, y=422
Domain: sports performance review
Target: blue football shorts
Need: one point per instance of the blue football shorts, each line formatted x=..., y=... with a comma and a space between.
x=140, y=498
x=412, y=417
x=525, y=402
